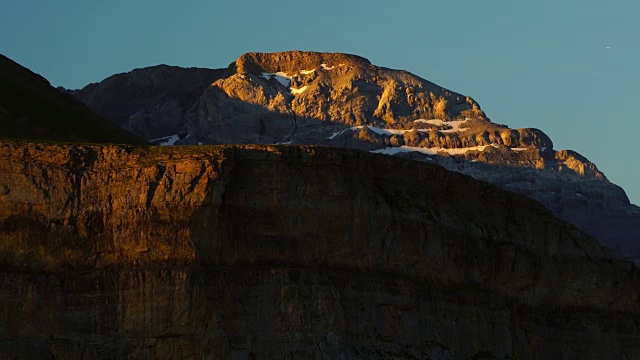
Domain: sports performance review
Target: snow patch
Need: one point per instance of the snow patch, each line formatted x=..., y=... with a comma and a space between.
x=167, y=140
x=327, y=67
x=376, y=130
x=519, y=149
x=307, y=72
x=338, y=133
x=455, y=124
x=295, y=91
x=380, y=131
x=388, y=132
x=282, y=77
x=460, y=151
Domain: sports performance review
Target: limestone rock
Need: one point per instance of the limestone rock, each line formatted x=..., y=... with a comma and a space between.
x=150, y=102
x=343, y=100
x=292, y=251
x=299, y=96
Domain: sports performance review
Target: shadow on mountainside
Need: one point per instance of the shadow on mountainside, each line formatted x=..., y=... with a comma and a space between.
x=30, y=108
x=596, y=206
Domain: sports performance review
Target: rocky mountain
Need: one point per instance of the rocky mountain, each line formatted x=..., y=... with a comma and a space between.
x=151, y=102
x=343, y=100
x=30, y=108
x=272, y=252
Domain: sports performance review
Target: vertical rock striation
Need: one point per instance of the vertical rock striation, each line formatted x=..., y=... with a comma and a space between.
x=285, y=251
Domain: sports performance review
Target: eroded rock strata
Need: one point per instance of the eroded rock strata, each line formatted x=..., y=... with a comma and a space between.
x=292, y=252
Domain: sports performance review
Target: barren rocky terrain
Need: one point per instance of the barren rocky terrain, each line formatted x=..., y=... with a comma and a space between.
x=273, y=252
x=321, y=247
x=343, y=100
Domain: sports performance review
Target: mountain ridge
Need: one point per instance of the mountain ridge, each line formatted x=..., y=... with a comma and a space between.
x=343, y=100
x=31, y=108
x=147, y=87
x=307, y=251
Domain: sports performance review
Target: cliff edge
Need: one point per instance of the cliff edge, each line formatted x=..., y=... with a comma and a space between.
x=260, y=251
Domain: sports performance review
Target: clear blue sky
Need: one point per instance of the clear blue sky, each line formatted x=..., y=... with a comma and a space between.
x=540, y=64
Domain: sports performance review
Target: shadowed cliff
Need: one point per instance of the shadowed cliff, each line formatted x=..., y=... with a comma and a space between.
x=281, y=251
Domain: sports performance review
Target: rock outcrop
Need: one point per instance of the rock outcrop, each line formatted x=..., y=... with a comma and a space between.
x=344, y=101
x=292, y=251
x=30, y=108
x=150, y=102
x=301, y=97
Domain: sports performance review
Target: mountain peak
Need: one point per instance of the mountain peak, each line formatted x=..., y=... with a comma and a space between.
x=343, y=100
x=293, y=61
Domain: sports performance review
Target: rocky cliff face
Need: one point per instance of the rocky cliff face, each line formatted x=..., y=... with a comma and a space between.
x=303, y=97
x=285, y=251
x=30, y=108
x=344, y=101
x=566, y=183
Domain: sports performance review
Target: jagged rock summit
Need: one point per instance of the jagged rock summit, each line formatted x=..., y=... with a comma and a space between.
x=150, y=102
x=292, y=61
x=343, y=100
x=271, y=252
x=299, y=96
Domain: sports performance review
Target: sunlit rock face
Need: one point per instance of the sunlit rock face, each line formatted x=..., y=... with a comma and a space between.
x=276, y=252
x=343, y=100
x=303, y=97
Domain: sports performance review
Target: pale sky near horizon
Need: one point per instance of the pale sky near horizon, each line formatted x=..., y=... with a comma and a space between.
x=566, y=67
